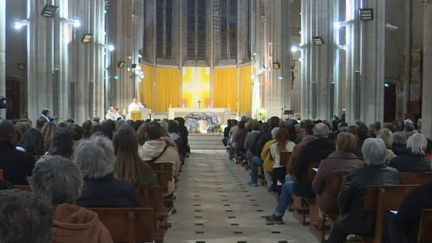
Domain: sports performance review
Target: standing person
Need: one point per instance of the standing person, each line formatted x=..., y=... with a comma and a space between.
x=184, y=134
x=44, y=118
x=129, y=166
x=231, y=141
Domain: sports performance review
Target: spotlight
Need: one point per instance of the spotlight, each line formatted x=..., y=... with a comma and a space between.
x=75, y=23
x=318, y=40
x=295, y=49
x=87, y=38
x=117, y=77
x=121, y=64
x=281, y=78
x=49, y=10
x=110, y=48
x=366, y=14
x=20, y=24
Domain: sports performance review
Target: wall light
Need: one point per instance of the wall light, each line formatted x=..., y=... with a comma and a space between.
x=121, y=64
x=110, y=47
x=74, y=22
x=18, y=25
x=295, y=49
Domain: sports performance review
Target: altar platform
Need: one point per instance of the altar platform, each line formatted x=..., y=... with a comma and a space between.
x=202, y=120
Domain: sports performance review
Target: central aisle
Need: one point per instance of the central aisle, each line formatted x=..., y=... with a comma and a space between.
x=214, y=204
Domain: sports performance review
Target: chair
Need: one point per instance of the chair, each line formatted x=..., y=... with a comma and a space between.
x=128, y=224
x=424, y=234
x=415, y=178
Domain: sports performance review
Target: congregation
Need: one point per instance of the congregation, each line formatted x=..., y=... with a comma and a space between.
x=57, y=177
x=303, y=163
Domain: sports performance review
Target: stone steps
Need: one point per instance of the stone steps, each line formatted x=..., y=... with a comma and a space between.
x=206, y=142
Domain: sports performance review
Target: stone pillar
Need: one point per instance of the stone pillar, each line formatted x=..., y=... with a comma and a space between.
x=427, y=71
x=86, y=67
x=273, y=50
x=125, y=32
x=39, y=60
x=365, y=63
x=2, y=53
x=319, y=79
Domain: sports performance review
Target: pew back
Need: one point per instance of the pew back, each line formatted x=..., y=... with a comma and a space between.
x=415, y=178
x=127, y=224
x=425, y=234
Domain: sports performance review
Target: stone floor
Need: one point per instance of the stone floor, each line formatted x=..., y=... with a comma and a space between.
x=215, y=204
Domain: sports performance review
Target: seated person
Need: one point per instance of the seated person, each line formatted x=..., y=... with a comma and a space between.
x=413, y=160
x=404, y=226
x=25, y=217
x=342, y=160
x=352, y=218
x=16, y=165
x=129, y=166
x=310, y=155
x=95, y=158
x=157, y=150
x=58, y=180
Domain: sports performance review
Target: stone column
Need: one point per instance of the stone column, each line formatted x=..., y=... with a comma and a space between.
x=86, y=67
x=427, y=71
x=365, y=63
x=273, y=49
x=2, y=53
x=125, y=32
x=39, y=61
x=319, y=79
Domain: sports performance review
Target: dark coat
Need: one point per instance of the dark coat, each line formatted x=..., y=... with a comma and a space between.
x=108, y=192
x=408, y=217
x=311, y=155
x=409, y=162
x=351, y=199
x=16, y=165
x=336, y=162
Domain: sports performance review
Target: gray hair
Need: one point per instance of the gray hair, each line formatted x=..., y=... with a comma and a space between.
x=56, y=179
x=417, y=143
x=25, y=217
x=321, y=130
x=274, y=131
x=95, y=158
x=387, y=136
x=374, y=151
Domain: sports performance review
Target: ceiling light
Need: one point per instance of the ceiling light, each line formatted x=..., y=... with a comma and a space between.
x=49, y=10
x=87, y=38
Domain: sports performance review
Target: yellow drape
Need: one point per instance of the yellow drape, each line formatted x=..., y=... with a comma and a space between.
x=246, y=83
x=147, y=86
x=167, y=89
x=225, y=92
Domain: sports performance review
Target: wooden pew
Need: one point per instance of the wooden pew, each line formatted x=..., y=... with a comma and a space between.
x=415, y=178
x=23, y=188
x=321, y=223
x=380, y=200
x=1, y=175
x=128, y=224
x=425, y=234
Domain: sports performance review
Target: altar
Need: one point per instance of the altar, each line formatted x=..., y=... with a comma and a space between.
x=202, y=120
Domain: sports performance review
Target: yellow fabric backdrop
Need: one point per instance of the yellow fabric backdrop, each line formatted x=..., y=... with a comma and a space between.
x=246, y=88
x=167, y=89
x=226, y=88
x=147, y=86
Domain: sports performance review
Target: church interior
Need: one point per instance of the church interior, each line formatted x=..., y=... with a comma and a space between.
x=211, y=121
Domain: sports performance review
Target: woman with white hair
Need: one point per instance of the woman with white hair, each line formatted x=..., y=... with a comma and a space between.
x=59, y=181
x=414, y=159
x=95, y=158
x=352, y=218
